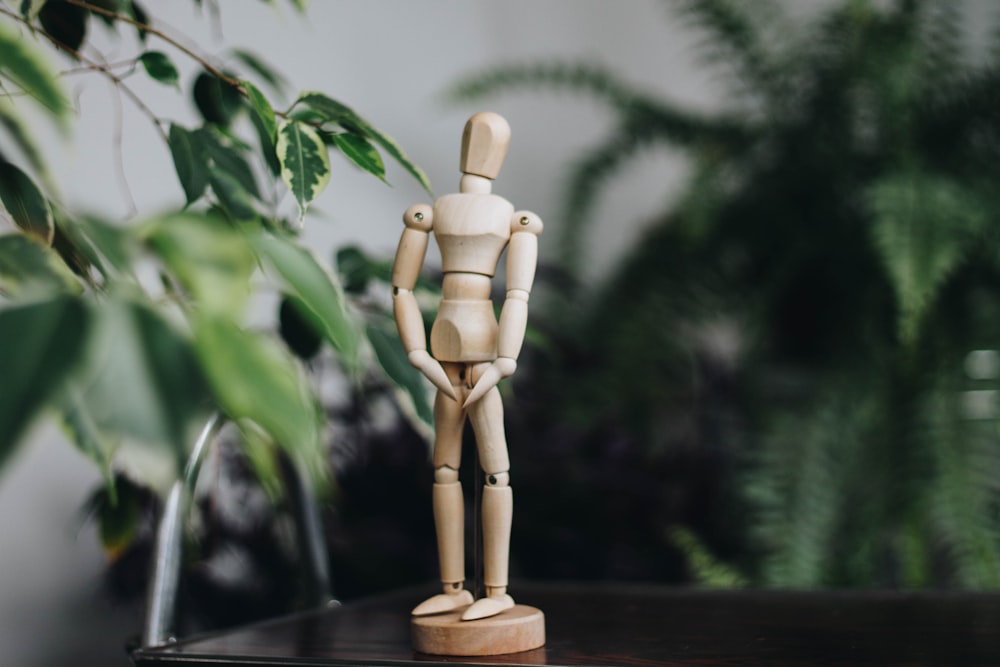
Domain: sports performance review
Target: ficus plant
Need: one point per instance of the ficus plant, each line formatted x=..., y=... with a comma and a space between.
x=134, y=331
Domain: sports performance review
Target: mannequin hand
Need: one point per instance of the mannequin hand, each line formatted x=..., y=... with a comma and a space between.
x=431, y=368
x=499, y=369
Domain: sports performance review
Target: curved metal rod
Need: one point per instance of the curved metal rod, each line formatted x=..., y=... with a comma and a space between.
x=205, y=438
x=161, y=599
x=309, y=531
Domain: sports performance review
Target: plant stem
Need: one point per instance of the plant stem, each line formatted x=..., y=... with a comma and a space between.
x=97, y=67
x=87, y=68
x=139, y=25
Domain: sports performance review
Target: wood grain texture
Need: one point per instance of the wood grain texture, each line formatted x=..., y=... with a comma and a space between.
x=498, y=512
x=514, y=631
x=485, y=140
x=449, y=514
x=640, y=625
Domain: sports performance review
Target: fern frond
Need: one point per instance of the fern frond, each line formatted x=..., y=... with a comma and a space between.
x=644, y=127
x=964, y=496
x=798, y=489
x=940, y=40
x=582, y=78
x=735, y=42
x=582, y=188
x=962, y=112
x=651, y=120
x=921, y=226
x=706, y=568
x=709, y=187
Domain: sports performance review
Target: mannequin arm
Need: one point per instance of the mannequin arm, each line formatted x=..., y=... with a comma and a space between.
x=409, y=321
x=522, y=258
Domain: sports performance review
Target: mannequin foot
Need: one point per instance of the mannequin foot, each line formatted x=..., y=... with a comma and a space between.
x=489, y=606
x=443, y=602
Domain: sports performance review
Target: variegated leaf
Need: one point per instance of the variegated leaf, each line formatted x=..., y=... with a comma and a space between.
x=305, y=164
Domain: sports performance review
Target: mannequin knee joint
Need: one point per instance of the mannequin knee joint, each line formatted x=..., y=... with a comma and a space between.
x=498, y=479
x=445, y=475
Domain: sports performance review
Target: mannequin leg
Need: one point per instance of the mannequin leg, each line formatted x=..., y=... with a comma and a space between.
x=449, y=508
x=486, y=417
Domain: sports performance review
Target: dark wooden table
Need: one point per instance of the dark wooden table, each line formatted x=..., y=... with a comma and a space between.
x=635, y=625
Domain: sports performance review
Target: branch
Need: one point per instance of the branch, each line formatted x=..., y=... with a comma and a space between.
x=139, y=25
x=119, y=141
x=96, y=66
x=211, y=69
x=120, y=83
x=131, y=63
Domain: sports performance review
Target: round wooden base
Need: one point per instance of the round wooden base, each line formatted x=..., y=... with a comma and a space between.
x=519, y=629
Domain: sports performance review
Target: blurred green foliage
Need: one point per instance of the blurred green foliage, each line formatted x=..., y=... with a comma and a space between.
x=132, y=332
x=791, y=360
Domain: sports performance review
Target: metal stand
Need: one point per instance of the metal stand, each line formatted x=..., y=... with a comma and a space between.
x=161, y=599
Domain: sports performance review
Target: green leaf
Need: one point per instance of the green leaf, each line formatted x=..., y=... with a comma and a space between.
x=77, y=251
x=108, y=5
x=305, y=165
x=147, y=384
x=262, y=455
x=346, y=117
x=230, y=139
x=30, y=269
x=359, y=151
x=263, y=109
x=21, y=136
x=65, y=23
x=316, y=292
x=42, y=344
x=296, y=330
x=922, y=225
x=140, y=15
x=266, y=143
x=210, y=259
x=308, y=116
x=190, y=161
x=88, y=241
x=81, y=430
x=120, y=510
x=30, y=8
x=217, y=101
x=392, y=357
x=232, y=196
x=355, y=269
x=25, y=202
x=268, y=74
x=229, y=159
x=159, y=66
x=116, y=244
x=254, y=378
x=26, y=68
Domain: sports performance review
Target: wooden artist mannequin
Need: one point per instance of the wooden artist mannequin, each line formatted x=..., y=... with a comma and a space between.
x=470, y=352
